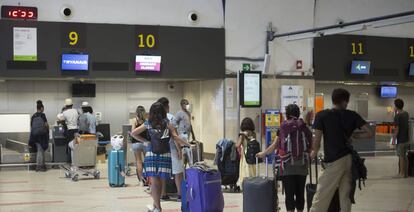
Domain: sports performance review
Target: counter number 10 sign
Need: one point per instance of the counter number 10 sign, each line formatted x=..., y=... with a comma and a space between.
x=146, y=37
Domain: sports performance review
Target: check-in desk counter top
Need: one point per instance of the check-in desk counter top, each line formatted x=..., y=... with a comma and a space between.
x=365, y=145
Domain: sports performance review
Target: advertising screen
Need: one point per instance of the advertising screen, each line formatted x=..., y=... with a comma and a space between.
x=251, y=89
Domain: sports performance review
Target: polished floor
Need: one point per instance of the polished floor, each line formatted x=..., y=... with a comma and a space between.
x=21, y=190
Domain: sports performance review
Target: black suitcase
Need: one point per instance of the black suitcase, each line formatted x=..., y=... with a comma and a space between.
x=410, y=156
x=198, y=149
x=311, y=190
x=259, y=193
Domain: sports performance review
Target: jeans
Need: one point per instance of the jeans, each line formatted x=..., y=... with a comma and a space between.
x=295, y=191
x=40, y=156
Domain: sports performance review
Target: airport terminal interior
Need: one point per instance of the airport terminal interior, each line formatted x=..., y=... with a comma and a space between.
x=101, y=99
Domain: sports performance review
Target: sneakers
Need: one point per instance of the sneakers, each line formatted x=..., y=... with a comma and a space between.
x=151, y=208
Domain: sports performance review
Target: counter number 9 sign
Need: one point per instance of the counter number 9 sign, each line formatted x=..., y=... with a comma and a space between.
x=73, y=36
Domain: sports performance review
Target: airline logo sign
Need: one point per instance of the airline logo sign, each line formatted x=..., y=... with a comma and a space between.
x=75, y=62
x=148, y=63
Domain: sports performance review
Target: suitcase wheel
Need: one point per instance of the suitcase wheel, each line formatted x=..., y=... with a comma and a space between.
x=97, y=175
x=67, y=174
x=75, y=178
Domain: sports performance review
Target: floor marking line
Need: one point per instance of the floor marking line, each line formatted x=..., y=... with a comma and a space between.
x=6, y=182
x=134, y=197
x=30, y=203
x=179, y=210
x=22, y=191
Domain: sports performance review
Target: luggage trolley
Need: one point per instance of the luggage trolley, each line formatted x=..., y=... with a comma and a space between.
x=84, y=159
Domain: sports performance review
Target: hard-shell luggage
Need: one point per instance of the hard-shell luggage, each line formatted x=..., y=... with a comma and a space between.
x=204, y=189
x=259, y=193
x=311, y=190
x=116, y=166
x=184, y=201
x=197, y=148
x=410, y=156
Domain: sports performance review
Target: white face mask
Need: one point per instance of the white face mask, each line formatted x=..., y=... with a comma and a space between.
x=187, y=107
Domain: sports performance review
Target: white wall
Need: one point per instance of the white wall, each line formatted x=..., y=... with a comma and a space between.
x=154, y=12
x=114, y=99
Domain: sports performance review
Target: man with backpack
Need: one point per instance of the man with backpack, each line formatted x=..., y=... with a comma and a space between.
x=336, y=126
x=39, y=135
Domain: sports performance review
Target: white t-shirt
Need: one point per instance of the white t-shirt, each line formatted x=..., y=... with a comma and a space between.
x=71, y=117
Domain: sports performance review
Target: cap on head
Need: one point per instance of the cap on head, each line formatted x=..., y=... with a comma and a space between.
x=85, y=104
x=68, y=102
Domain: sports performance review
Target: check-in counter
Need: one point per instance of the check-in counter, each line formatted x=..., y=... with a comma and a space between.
x=366, y=145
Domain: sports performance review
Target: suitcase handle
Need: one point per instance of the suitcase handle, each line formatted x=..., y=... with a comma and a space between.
x=257, y=167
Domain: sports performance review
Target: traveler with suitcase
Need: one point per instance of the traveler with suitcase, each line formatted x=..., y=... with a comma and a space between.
x=157, y=162
x=336, y=126
x=247, y=143
x=292, y=147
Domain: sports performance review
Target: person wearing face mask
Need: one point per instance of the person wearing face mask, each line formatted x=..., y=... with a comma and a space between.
x=183, y=119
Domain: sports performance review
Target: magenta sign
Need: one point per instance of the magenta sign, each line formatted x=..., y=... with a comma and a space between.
x=147, y=63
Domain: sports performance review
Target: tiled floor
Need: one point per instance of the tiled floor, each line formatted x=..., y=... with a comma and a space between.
x=30, y=191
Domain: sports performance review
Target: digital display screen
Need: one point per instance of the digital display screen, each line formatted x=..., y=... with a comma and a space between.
x=360, y=67
x=83, y=90
x=17, y=12
x=388, y=92
x=411, y=73
x=251, y=89
x=75, y=62
x=148, y=63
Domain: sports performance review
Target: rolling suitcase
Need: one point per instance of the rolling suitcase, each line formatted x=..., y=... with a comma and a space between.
x=410, y=156
x=184, y=201
x=116, y=166
x=197, y=148
x=311, y=190
x=204, y=189
x=259, y=193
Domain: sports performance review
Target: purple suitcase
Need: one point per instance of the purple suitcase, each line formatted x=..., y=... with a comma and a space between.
x=204, y=190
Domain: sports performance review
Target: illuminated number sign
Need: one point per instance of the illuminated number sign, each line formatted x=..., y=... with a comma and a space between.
x=73, y=35
x=146, y=37
x=411, y=51
x=17, y=12
x=357, y=48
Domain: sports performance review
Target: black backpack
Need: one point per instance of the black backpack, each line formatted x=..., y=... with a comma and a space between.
x=160, y=139
x=252, y=148
x=38, y=126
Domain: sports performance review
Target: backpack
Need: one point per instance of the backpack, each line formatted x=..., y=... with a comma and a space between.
x=293, y=144
x=252, y=148
x=159, y=138
x=38, y=126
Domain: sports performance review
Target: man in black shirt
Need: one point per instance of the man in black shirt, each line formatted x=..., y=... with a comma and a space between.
x=401, y=134
x=336, y=125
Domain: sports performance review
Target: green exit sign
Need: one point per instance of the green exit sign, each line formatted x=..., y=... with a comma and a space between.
x=246, y=66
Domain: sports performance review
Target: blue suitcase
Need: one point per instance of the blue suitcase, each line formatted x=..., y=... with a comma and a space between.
x=116, y=168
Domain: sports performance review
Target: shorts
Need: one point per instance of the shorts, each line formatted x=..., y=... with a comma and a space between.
x=138, y=146
x=177, y=163
x=402, y=149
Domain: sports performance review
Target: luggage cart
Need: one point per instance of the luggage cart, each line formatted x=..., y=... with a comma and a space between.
x=84, y=159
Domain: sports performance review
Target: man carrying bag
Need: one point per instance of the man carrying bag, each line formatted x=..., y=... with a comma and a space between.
x=336, y=126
